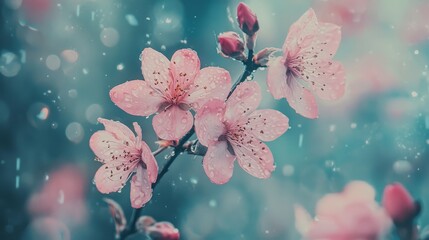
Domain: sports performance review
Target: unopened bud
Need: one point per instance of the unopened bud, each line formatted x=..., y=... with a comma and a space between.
x=263, y=56
x=247, y=19
x=231, y=45
x=399, y=204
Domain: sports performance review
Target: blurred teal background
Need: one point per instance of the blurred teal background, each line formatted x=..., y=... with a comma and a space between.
x=60, y=58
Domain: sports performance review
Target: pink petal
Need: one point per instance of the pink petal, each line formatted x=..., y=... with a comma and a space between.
x=119, y=130
x=300, y=99
x=184, y=66
x=136, y=97
x=109, y=144
x=150, y=161
x=244, y=100
x=172, y=123
x=328, y=81
x=360, y=190
x=276, y=77
x=210, y=83
x=305, y=25
x=101, y=144
x=155, y=68
x=303, y=220
x=141, y=188
x=268, y=124
x=218, y=163
x=209, y=122
x=112, y=176
x=253, y=155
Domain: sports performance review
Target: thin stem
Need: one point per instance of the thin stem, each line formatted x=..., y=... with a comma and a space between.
x=158, y=151
x=131, y=228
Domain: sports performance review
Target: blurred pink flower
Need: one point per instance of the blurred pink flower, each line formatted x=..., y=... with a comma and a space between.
x=47, y=228
x=62, y=196
x=307, y=66
x=398, y=203
x=171, y=88
x=122, y=154
x=414, y=26
x=351, y=214
x=231, y=45
x=351, y=15
x=235, y=129
x=247, y=19
x=157, y=230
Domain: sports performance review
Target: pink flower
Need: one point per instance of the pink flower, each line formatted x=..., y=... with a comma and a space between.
x=231, y=45
x=350, y=215
x=171, y=88
x=247, y=19
x=234, y=130
x=306, y=67
x=398, y=203
x=62, y=196
x=122, y=154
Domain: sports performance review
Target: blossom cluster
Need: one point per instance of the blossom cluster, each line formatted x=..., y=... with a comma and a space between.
x=226, y=121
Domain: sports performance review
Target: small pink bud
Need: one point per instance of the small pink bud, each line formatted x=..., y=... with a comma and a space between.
x=231, y=45
x=247, y=19
x=398, y=203
x=163, y=231
x=263, y=56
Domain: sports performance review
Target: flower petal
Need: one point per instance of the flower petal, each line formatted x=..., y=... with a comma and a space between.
x=244, y=100
x=327, y=81
x=300, y=99
x=150, y=161
x=155, y=68
x=209, y=122
x=141, y=188
x=136, y=97
x=218, y=163
x=303, y=220
x=268, y=124
x=210, y=83
x=253, y=155
x=112, y=176
x=305, y=25
x=184, y=66
x=111, y=143
x=118, y=129
x=172, y=123
x=276, y=77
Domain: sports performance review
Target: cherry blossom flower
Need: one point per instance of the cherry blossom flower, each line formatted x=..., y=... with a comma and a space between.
x=170, y=89
x=399, y=204
x=351, y=214
x=234, y=130
x=306, y=67
x=122, y=153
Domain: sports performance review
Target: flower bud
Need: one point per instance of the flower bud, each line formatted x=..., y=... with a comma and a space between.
x=247, y=19
x=231, y=45
x=399, y=204
x=263, y=56
x=144, y=222
x=163, y=231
